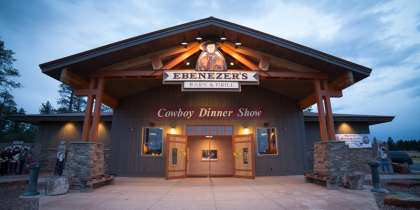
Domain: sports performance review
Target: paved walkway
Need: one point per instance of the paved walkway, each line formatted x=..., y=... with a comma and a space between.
x=285, y=192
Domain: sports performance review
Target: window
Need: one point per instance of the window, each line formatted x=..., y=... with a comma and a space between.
x=266, y=141
x=174, y=156
x=245, y=155
x=152, y=141
x=209, y=154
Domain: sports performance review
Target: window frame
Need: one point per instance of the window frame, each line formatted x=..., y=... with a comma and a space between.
x=256, y=141
x=143, y=130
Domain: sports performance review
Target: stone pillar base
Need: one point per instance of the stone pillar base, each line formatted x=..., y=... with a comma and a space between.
x=85, y=161
x=330, y=158
x=339, y=165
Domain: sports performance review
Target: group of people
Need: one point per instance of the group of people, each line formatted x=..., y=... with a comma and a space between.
x=14, y=159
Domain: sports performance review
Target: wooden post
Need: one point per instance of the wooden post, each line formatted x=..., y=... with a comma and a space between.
x=97, y=110
x=321, y=113
x=88, y=112
x=328, y=109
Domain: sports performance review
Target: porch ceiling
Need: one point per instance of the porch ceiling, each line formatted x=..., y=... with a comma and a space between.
x=85, y=62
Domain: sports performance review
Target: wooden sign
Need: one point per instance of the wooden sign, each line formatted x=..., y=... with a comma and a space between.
x=193, y=80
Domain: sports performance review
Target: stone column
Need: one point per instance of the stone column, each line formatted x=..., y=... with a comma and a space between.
x=85, y=161
x=331, y=160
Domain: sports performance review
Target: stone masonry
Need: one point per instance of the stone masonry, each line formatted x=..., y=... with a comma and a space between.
x=85, y=160
x=334, y=159
x=330, y=158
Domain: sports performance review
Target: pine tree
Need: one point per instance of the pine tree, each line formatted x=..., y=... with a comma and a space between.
x=46, y=108
x=10, y=130
x=68, y=101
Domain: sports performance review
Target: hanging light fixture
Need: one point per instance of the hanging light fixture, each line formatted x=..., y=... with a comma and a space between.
x=223, y=37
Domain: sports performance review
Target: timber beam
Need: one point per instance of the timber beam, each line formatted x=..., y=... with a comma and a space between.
x=82, y=87
x=155, y=58
x=333, y=89
x=227, y=49
x=126, y=74
x=295, y=75
x=106, y=99
x=192, y=49
x=264, y=57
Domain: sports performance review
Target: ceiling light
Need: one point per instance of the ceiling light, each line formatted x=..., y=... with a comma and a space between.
x=223, y=38
x=184, y=43
x=187, y=63
x=238, y=43
x=198, y=38
x=231, y=63
x=209, y=136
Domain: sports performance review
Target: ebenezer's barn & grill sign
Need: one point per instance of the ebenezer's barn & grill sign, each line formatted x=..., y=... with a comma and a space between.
x=205, y=98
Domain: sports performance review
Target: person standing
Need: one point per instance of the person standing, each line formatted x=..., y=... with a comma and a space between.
x=384, y=162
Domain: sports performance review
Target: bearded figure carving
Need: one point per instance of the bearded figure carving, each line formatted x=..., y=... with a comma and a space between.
x=210, y=59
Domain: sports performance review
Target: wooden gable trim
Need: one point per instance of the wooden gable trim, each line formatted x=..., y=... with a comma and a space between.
x=228, y=50
x=281, y=62
x=193, y=48
x=273, y=74
x=154, y=58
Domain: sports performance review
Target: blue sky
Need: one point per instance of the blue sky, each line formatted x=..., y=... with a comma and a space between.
x=383, y=35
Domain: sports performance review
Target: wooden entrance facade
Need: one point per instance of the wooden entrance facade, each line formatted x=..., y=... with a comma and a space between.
x=128, y=77
x=235, y=156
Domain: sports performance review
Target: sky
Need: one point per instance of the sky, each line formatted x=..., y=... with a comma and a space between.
x=383, y=35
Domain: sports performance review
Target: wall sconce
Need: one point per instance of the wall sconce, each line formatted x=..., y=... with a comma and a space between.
x=172, y=130
x=246, y=131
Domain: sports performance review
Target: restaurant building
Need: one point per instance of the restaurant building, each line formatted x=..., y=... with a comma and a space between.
x=204, y=98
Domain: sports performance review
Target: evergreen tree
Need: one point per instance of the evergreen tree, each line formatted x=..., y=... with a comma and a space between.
x=68, y=101
x=46, y=108
x=10, y=130
x=391, y=144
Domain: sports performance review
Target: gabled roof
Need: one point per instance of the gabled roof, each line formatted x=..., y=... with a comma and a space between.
x=105, y=55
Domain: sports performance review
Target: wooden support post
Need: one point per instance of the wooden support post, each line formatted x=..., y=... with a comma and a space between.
x=328, y=110
x=97, y=110
x=321, y=111
x=88, y=113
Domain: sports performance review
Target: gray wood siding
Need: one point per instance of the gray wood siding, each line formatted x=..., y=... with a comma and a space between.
x=137, y=111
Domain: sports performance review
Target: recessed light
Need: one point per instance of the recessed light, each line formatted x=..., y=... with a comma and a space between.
x=231, y=63
x=223, y=38
x=187, y=63
x=198, y=38
x=209, y=136
x=184, y=43
x=238, y=43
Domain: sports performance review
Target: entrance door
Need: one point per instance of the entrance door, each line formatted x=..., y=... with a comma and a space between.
x=244, y=156
x=176, y=156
